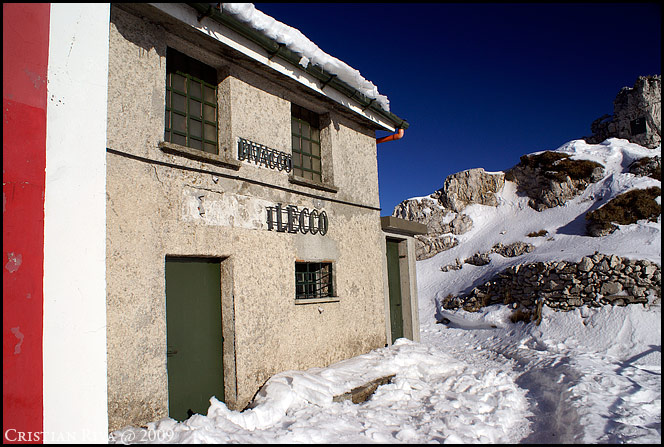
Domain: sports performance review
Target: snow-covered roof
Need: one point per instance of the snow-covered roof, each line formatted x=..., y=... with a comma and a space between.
x=297, y=42
x=285, y=49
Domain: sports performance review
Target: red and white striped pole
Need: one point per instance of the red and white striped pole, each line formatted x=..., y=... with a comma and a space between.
x=55, y=81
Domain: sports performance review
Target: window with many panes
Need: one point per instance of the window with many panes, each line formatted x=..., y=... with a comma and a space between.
x=313, y=280
x=305, y=130
x=191, y=103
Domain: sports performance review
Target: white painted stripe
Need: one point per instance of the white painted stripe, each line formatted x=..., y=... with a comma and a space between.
x=75, y=396
x=209, y=27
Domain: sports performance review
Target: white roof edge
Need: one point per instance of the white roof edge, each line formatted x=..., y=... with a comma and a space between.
x=234, y=40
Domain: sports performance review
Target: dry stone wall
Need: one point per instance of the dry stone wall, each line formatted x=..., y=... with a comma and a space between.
x=594, y=281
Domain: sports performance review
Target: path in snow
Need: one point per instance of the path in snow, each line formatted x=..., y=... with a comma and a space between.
x=555, y=420
x=579, y=389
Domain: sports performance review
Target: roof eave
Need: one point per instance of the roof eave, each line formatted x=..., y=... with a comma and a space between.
x=274, y=49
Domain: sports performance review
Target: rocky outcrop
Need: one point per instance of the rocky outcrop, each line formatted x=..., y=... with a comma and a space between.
x=624, y=209
x=647, y=167
x=637, y=115
x=551, y=178
x=594, y=281
x=442, y=213
x=425, y=210
x=442, y=223
x=437, y=219
x=474, y=186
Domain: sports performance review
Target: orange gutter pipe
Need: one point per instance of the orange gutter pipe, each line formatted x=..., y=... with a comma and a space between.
x=392, y=137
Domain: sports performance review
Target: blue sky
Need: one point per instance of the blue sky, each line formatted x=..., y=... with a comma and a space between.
x=482, y=83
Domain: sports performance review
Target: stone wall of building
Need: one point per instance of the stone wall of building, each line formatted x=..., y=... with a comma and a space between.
x=164, y=201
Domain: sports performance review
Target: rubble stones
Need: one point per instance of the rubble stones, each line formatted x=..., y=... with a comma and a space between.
x=512, y=250
x=595, y=281
x=480, y=259
x=610, y=288
x=586, y=264
x=450, y=267
x=430, y=245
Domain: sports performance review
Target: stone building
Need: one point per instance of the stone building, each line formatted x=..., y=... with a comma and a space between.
x=243, y=232
x=190, y=209
x=637, y=115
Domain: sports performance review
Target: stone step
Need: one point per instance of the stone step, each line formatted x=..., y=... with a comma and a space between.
x=362, y=393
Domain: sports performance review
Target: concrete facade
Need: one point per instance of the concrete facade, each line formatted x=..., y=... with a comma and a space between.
x=166, y=200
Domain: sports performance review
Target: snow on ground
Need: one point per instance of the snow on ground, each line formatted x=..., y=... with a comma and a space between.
x=584, y=376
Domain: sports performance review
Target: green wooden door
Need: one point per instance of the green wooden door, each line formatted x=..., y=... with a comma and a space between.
x=394, y=283
x=194, y=338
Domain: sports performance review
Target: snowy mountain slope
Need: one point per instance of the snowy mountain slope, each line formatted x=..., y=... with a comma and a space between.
x=566, y=238
x=594, y=374
x=591, y=375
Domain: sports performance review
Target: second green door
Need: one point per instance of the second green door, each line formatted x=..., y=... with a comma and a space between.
x=394, y=283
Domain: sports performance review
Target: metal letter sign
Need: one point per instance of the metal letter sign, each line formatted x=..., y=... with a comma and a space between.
x=291, y=220
x=263, y=155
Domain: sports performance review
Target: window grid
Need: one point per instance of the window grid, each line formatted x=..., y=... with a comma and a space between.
x=313, y=280
x=191, y=112
x=306, y=143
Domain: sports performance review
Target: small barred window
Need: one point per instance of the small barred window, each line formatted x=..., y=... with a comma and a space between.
x=313, y=280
